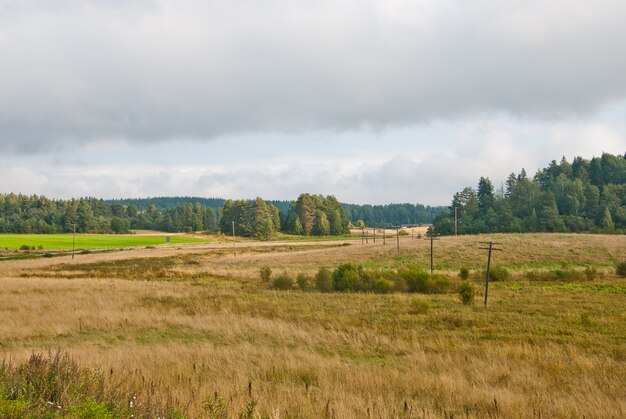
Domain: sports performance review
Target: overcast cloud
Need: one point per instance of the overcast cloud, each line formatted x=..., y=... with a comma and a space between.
x=373, y=101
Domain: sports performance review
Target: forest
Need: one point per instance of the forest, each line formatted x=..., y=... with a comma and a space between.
x=581, y=196
x=308, y=215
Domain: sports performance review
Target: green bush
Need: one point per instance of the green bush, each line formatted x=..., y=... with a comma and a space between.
x=265, y=273
x=304, y=281
x=620, y=270
x=415, y=279
x=324, y=280
x=499, y=273
x=466, y=293
x=437, y=284
x=403, y=233
x=283, y=282
x=464, y=273
x=346, y=277
x=382, y=286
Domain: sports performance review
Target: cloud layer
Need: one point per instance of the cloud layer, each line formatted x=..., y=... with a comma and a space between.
x=140, y=71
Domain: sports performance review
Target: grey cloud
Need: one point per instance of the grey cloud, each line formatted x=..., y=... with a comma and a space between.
x=77, y=72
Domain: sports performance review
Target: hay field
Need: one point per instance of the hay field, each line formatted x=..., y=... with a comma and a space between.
x=199, y=327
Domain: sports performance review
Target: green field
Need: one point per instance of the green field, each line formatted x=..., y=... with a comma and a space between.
x=87, y=241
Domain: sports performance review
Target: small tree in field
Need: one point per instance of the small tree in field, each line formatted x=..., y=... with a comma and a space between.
x=266, y=273
x=466, y=293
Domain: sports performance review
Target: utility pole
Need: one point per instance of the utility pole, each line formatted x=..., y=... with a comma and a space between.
x=431, y=236
x=374, y=235
x=73, y=240
x=362, y=235
x=490, y=249
x=384, y=236
x=398, y=239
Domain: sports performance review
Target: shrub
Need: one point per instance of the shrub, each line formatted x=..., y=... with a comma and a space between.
x=365, y=281
x=283, y=282
x=324, y=280
x=382, y=286
x=591, y=273
x=464, y=273
x=304, y=281
x=620, y=270
x=265, y=273
x=499, y=273
x=346, y=277
x=25, y=247
x=466, y=293
x=437, y=284
x=403, y=233
x=414, y=279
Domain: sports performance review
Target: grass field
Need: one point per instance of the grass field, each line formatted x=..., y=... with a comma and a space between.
x=89, y=241
x=194, y=331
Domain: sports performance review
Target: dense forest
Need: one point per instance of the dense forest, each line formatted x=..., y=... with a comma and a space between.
x=308, y=215
x=390, y=215
x=581, y=196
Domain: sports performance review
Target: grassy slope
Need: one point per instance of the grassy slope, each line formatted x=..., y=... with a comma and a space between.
x=203, y=324
x=87, y=241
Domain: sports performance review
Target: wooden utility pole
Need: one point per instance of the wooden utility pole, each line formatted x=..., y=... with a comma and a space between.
x=398, y=239
x=432, y=238
x=384, y=236
x=374, y=235
x=490, y=249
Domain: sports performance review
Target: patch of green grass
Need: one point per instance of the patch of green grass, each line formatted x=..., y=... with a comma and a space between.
x=88, y=241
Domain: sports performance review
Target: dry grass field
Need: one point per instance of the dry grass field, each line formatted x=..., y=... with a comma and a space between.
x=194, y=331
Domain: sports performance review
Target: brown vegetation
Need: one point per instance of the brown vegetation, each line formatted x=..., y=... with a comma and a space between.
x=211, y=336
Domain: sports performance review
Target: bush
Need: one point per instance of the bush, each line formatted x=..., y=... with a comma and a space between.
x=591, y=273
x=466, y=293
x=283, y=282
x=620, y=270
x=437, y=284
x=265, y=273
x=323, y=280
x=382, y=286
x=403, y=233
x=499, y=273
x=464, y=273
x=346, y=277
x=304, y=281
x=414, y=279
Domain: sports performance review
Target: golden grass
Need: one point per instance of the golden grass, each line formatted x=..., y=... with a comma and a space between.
x=216, y=329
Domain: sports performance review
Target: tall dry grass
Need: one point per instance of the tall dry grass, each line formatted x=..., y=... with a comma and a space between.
x=216, y=338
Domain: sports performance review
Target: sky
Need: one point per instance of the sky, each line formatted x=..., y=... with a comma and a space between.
x=373, y=101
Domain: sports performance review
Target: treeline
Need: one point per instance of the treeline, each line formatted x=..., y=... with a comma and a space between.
x=392, y=215
x=164, y=203
x=308, y=215
x=40, y=215
x=581, y=196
